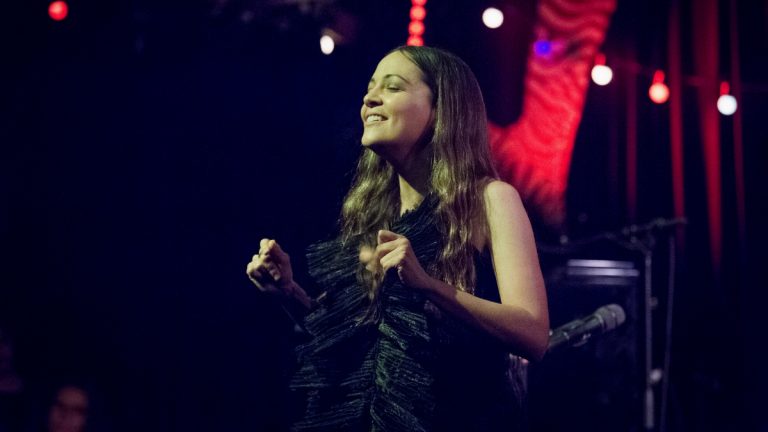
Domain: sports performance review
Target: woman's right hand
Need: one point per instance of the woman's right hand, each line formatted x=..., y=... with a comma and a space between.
x=270, y=270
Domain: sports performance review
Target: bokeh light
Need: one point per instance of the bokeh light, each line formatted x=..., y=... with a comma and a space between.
x=726, y=104
x=601, y=74
x=327, y=44
x=58, y=10
x=658, y=91
x=493, y=18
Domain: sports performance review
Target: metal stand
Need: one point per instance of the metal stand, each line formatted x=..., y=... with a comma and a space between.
x=668, y=331
x=643, y=239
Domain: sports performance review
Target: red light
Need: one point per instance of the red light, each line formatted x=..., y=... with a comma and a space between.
x=658, y=92
x=599, y=59
x=58, y=10
x=416, y=28
x=415, y=41
x=418, y=13
x=725, y=88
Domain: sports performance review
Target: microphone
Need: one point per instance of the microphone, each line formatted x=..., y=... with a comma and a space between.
x=576, y=332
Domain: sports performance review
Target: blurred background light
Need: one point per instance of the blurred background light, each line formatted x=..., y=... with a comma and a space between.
x=658, y=91
x=601, y=74
x=327, y=44
x=493, y=18
x=542, y=47
x=418, y=13
x=726, y=103
x=58, y=10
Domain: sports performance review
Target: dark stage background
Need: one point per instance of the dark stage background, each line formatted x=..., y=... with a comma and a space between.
x=146, y=147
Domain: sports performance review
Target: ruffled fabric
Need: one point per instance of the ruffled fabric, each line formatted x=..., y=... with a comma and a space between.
x=408, y=370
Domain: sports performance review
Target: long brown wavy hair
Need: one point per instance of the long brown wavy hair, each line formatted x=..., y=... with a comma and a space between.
x=461, y=166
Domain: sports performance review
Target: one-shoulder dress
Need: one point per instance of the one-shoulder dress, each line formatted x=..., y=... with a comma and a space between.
x=409, y=370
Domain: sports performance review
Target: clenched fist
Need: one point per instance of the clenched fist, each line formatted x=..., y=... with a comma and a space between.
x=270, y=270
x=394, y=252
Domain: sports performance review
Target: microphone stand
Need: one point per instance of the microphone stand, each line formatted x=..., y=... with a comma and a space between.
x=668, y=331
x=642, y=238
x=646, y=245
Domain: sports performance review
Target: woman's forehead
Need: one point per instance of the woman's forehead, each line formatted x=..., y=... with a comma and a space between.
x=397, y=64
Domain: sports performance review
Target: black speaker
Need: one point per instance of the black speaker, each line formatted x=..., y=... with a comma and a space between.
x=599, y=385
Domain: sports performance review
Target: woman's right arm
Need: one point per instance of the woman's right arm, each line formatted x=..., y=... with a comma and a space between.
x=270, y=270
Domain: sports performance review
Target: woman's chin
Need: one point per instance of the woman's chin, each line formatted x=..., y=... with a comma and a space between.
x=374, y=145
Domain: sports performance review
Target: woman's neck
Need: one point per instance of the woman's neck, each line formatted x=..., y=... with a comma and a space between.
x=414, y=169
x=413, y=179
x=410, y=196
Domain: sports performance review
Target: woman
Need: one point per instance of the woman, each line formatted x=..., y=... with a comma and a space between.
x=434, y=277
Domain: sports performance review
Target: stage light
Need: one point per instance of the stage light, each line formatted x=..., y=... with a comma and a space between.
x=601, y=74
x=58, y=10
x=493, y=18
x=658, y=92
x=415, y=41
x=542, y=47
x=726, y=103
x=418, y=13
x=416, y=28
x=327, y=44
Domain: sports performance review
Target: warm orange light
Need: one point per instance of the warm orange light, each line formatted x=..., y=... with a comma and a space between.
x=658, y=92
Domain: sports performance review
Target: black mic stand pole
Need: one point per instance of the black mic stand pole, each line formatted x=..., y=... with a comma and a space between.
x=668, y=334
x=652, y=376
x=646, y=248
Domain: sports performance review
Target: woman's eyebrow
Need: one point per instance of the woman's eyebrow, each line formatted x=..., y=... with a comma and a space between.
x=372, y=81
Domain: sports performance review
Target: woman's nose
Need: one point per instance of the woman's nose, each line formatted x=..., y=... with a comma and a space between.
x=371, y=98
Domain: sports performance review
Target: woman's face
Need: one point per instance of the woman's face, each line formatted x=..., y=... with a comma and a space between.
x=397, y=108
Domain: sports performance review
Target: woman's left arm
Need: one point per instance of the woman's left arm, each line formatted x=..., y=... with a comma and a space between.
x=521, y=320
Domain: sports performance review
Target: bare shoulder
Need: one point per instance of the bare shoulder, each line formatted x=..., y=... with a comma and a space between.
x=501, y=197
x=499, y=187
x=503, y=209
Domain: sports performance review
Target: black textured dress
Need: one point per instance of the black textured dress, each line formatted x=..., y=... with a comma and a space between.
x=411, y=369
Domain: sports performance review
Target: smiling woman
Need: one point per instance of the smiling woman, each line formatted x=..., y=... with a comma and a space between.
x=397, y=108
x=414, y=310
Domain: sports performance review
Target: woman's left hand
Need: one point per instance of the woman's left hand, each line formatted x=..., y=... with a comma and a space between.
x=394, y=252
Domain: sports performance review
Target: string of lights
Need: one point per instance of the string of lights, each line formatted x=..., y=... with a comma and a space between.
x=658, y=91
x=493, y=18
x=416, y=26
